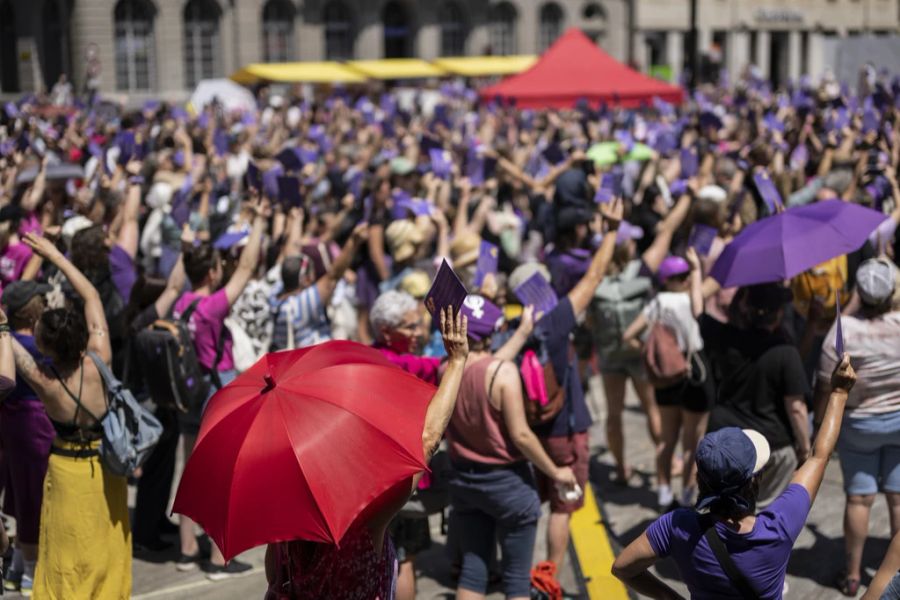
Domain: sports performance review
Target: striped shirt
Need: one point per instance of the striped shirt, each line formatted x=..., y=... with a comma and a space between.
x=305, y=315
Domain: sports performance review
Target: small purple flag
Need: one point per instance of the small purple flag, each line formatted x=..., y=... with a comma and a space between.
x=441, y=164
x=488, y=258
x=689, y=163
x=603, y=195
x=220, y=142
x=799, y=157
x=767, y=191
x=701, y=238
x=838, y=330
x=446, y=290
x=289, y=191
x=536, y=291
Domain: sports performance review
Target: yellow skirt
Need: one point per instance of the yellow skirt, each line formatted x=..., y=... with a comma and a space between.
x=85, y=540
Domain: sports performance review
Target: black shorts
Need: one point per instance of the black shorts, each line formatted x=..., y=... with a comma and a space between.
x=583, y=342
x=411, y=536
x=691, y=394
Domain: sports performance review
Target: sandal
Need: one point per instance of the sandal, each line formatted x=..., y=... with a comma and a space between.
x=848, y=587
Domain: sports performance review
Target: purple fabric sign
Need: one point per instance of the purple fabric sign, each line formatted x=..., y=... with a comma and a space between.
x=535, y=291
x=289, y=191
x=488, y=257
x=446, y=290
x=441, y=165
x=767, y=191
x=689, y=164
x=701, y=238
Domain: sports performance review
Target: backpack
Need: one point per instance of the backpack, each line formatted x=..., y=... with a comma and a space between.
x=130, y=431
x=166, y=347
x=663, y=359
x=823, y=281
x=544, y=397
x=617, y=302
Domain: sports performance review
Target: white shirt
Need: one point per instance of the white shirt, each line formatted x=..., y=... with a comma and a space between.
x=673, y=309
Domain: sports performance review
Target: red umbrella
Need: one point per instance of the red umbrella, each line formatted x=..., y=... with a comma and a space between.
x=300, y=444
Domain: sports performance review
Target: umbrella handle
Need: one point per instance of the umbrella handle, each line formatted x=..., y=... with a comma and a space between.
x=270, y=384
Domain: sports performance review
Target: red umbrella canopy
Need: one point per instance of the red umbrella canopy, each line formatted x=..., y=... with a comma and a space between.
x=301, y=443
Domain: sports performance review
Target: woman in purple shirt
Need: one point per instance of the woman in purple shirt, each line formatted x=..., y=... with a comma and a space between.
x=728, y=464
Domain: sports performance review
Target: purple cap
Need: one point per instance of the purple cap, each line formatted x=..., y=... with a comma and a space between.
x=726, y=460
x=672, y=266
x=627, y=231
x=484, y=316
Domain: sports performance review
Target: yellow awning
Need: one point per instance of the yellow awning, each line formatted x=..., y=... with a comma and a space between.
x=298, y=72
x=396, y=68
x=483, y=66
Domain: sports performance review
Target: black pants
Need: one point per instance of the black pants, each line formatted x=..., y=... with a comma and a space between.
x=155, y=483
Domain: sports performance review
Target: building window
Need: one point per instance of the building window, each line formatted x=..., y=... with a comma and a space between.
x=338, y=32
x=396, y=26
x=453, y=30
x=135, y=47
x=502, y=18
x=201, y=41
x=551, y=25
x=594, y=17
x=278, y=31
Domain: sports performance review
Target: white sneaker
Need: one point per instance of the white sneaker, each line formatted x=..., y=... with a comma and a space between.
x=664, y=497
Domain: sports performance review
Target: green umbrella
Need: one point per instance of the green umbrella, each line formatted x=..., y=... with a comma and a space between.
x=605, y=153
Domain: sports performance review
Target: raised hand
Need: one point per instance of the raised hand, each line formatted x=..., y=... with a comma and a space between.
x=613, y=212
x=42, y=247
x=844, y=377
x=453, y=331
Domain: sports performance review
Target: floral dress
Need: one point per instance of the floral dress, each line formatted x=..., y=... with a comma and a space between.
x=352, y=571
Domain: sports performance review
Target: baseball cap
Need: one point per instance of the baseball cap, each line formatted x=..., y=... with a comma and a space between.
x=672, y=266
x=18, y=293
x=875, y=280
x=726, y=460
x=484, y=317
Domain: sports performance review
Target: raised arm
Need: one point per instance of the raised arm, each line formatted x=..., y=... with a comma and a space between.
x=174, y=287
x=583, y=292
x=7, y=361
x=93, y=306
x=27, y=368
x=249, y=257
x=514, y=344
x=659, y=249
x=440, y=409
x=696, y=283
x=632, y=568
x=129, y=234
x=329, y=281
x=813, y=470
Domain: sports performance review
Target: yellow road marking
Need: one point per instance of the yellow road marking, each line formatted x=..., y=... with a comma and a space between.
x=595, y=554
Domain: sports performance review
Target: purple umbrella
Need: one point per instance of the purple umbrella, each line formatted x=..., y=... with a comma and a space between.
x=785, y=245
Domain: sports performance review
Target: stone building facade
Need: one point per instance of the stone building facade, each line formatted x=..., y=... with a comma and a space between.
x=142, y=48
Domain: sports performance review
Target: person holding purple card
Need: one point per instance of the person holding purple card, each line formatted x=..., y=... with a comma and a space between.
x=869, y=442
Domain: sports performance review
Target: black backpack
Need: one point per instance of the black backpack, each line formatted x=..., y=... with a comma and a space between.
x=167, y=347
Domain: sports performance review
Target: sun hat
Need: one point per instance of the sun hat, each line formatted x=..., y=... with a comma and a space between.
x=726, y=460
x=402, y=238
x=464, y=249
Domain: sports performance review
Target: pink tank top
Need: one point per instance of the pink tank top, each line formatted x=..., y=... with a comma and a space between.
x=477, y=432
x=353, y=571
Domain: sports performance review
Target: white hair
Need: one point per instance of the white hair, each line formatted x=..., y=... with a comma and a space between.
x=389, y=310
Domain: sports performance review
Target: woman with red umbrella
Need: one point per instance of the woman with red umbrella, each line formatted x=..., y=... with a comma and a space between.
x=363, y=566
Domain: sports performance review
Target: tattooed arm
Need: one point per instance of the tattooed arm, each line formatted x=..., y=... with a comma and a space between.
x=28, y=369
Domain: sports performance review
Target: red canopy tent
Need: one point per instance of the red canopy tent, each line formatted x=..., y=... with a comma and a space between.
x=574, y=68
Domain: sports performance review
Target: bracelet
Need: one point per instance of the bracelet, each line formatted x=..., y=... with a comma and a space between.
x=136, y=180
x=4, y=328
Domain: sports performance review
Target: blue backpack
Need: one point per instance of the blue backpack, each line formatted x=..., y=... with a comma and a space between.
x=130, y=431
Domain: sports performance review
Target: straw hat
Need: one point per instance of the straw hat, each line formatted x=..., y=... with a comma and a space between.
x=403, y=236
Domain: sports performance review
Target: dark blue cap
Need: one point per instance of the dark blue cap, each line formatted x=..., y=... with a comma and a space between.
x=727, y=459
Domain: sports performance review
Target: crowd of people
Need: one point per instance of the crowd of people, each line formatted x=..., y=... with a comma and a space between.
x=585, y=238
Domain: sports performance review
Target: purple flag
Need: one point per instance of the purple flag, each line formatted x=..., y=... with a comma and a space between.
x=535, y=291
x=441, y=164
x=767, y=191
x=799, y=157
x=701, y=238
x=689, y=164
x=220, y=142
x=229, y=239
x=446, y=290
x=488, y=257
x=289, y=191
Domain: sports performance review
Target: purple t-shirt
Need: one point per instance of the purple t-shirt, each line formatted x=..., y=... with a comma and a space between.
x=13, y=261
x=761, y=555
x=207, y=324
x=122, y=271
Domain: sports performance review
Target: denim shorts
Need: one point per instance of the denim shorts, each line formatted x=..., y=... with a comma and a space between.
x=869, y=450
